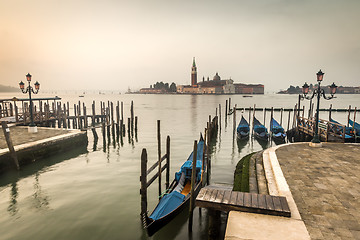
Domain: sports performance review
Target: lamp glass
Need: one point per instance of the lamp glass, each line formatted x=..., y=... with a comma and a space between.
x=37, y=85
x=22, y=85
x=28, y=77
x=319, y=75
x=305, y=88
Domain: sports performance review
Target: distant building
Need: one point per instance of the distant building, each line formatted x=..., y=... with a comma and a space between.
x=217, y=86
x=152, y=90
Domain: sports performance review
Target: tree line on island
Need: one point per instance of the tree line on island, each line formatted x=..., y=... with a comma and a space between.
x=8, y=89
x=340, y=89
x=164, y=86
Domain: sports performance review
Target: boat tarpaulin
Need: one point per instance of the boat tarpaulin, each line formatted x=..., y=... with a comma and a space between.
x=167, y=204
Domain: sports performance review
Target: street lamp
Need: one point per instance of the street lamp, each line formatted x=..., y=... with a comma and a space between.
x=318, y=92
x=30, y=89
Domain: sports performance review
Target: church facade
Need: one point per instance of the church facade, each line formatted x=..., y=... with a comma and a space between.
x=217, y=85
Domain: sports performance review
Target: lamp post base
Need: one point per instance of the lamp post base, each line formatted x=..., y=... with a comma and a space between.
x=32, y=129
x=315, y=145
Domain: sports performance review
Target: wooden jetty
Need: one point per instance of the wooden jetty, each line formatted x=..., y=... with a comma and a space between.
x=51, y=113
x=224, y=199
x=20, y=147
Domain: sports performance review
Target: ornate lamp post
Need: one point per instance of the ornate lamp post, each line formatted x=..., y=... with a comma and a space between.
x=30, y=89
x=318, y=92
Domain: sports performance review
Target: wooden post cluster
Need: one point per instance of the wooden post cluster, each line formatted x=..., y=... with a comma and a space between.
x=145, y=172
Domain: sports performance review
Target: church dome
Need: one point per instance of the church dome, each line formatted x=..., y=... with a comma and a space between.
x=216, y=77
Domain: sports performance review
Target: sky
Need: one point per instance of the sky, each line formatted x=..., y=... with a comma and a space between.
x=116, y=45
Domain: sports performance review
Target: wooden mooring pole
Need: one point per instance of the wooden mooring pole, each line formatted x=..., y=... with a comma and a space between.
x=143, y=189
x=159, y=154
x=192, y=195
x=9, y=143
x=226, y=109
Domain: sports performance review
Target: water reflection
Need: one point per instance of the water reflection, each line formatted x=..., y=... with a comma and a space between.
x=13, y=208
x=41, y=200
x=241, y=143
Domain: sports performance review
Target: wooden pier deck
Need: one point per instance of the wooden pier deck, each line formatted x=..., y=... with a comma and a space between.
x=224, y=199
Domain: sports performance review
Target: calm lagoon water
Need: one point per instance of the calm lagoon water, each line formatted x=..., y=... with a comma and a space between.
x=93, y=193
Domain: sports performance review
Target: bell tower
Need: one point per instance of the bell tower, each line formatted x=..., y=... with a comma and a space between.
x=193, y=74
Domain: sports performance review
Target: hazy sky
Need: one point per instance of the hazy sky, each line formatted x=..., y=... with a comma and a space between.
x=113, y=45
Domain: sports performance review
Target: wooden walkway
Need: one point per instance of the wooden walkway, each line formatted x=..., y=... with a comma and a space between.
x=221, y=199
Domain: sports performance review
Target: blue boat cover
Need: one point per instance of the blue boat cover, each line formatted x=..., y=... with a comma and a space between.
x=243, y=126
x=258, y=127
x=275, y=127
x=356, y=126
x=348, y=130
x=167, y=204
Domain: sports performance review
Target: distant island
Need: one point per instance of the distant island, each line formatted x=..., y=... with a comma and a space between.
x=160, y=88
x=340, y=90
x=4, y=88
x=214, y=86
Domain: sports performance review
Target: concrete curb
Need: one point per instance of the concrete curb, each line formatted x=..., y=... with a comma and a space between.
x=279, y=182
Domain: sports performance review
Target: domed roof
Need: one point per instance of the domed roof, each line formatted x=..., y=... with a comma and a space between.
x=216, y=77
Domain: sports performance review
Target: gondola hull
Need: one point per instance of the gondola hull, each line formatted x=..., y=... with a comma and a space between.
x=242, y=135
x=263, y=136
x=155, y=225
x=243, y=129
x=178, y=195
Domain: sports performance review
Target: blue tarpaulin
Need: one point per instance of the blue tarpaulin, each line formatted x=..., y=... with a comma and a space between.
x=167, y=204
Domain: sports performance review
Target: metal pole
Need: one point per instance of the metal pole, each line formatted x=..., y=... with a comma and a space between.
x=316, y=138
x=32, y=124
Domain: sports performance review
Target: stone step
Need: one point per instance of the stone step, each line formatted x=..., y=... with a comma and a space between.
x=253, y=186
x=260, y=173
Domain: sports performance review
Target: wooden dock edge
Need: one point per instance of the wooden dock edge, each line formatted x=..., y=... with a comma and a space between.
x=30, y=152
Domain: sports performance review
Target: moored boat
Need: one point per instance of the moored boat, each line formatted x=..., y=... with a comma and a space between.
x=260, y=131
x=349, y=132
x=277, y=131
x=178, y=195
x=243, y=129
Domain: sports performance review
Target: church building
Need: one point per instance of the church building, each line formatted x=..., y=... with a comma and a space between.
x=217, y=86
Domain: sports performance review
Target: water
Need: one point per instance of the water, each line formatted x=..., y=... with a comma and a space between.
x=94, y=193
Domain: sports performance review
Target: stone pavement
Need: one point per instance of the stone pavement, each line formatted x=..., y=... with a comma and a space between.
x=19, y=135
x=325, y=184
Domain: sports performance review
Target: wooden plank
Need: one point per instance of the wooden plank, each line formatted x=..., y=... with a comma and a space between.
x=213, y=195
x=269, y=203
x=240, y=199
x=284, y=205
x=208, y=194
x=254, y=200
x=233, y=197
x=219, y=196
x=277, y=204
x=262, y=201
x=247, y=199
x=201, y=194
x=227, y=196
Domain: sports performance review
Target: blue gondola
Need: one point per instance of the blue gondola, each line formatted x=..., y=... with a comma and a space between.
x=349, y=133
x=260, y=131
x=243, y=129
x=178, y=195
x=277, y=131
